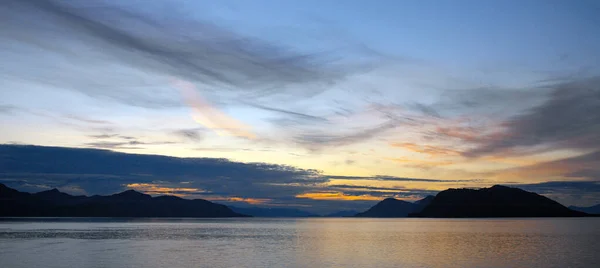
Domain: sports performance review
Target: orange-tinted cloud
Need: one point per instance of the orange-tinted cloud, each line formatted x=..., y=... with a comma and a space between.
x=211, y=117
x=463, y=133
x=252, y=201
x=155, y=189
x=426, y=149
x=583, y=166
x=337, y=196
x=420, y=162
x=517, y=161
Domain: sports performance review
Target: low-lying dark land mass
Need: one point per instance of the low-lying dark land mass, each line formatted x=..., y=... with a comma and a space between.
x=53, y=203
x=590, y=210
x=496, y=201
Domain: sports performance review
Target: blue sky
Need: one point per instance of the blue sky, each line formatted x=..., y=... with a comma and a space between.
x=469, y=92
x=457, y=34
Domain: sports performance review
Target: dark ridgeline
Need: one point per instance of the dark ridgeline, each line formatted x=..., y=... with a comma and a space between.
x=273, y=212
x=53, y=203
x=590, y=210
x=496, y=201
x=393, y=208
x=424, y=202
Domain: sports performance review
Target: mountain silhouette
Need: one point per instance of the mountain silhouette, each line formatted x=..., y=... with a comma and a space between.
x=56, y=195
x=394, y=208
x=130, y=195
x=53, y=203
x=10, y=193
x=424, y=202
x=590, y=210
x=496, y=201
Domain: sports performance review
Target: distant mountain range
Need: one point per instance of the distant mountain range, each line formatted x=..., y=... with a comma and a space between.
x=343, y=213
x=590, y=210
x=288, y=212
x=272, y=212
x=496, y=201
x=53, y=203
x=393, y=208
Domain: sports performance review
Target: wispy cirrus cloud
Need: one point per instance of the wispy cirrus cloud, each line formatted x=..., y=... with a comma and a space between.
x=557, y=115
x=567, y=120
x=328, y=139
x=114, y=52
x=394, y=178
x=421, y=163
x=546, y=130
x=211, y=117
x=133, y=144
x=109, y=136
x=116, y=141
x=152, y=40
x=582, y=166
x=6, y=109
x=190, y=134
x=431, y=150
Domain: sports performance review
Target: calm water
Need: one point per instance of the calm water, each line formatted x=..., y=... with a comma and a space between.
x=299, y=243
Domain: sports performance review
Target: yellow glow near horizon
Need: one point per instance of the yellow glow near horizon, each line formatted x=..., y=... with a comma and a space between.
x=252, y=201
x=155, y=189
x=337, y=196
x=407, y=159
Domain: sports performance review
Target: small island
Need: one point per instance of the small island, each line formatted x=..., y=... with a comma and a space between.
x=494, y=202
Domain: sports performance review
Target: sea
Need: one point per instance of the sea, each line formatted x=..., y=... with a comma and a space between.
x=299, y=242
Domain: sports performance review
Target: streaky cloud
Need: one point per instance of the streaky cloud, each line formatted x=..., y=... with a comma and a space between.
x=190, y=134
x=393, y=178
x=167, y=44
x=569, y=119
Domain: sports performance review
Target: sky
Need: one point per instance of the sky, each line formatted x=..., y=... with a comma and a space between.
x=365, y=99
